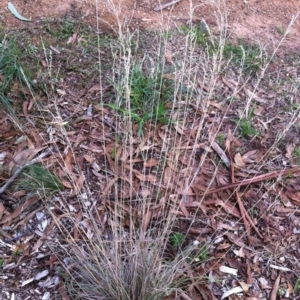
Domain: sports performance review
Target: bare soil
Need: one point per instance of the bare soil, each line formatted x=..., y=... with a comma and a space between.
x=252, y=20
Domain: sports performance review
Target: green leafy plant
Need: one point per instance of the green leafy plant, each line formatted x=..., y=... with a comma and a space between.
x=245, y=126
x=17, y=253
x=203, y=253
x=177, y=239
x=63, y=30
x=252, y=58
x=149, y=94
x=201, y=35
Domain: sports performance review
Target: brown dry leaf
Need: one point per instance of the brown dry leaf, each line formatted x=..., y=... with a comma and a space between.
x=258, y=110
x=78, y=220
x=283, y=197
x=151, y=163
x=167, y=177
x=66, y=184
x=143, y=177
x=168, y=55
x=251, y=156
x=101, y=109
x=221, y=153
x=68, y=163
x=146, y=220
x=252, y=95
x=294, y=196
x=226, y=205
x=283, y=211
x=1, y=210
x=221, y=179
x=96, y=87
x=206, y=292
x=31, y=103
x=275, y=289
x=236, y=240
x=125, y=154
x=89, y=158
x=239, y=160
x=183, y=209
x=217, y=105
x=53, y=258
x=235, y=141
x=19, y=209
x=72, y=39
x=23, y=157
x=63, y=291
x=245, y=286
x=179, y=129
x=230, y=83
x=289, y=150
x=240, y=252
x=25, y=108
x=224, y=246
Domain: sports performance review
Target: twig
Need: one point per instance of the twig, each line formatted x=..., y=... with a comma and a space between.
x=10, y=180
x=240, y=203
x=160, y=7
x=254, y=179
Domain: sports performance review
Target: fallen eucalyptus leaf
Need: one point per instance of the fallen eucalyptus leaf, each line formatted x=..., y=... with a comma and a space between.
x=228, y=270
x=14, y=11
x=235, y=290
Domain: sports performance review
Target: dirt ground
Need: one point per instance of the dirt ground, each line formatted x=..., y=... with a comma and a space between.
x=261, y=21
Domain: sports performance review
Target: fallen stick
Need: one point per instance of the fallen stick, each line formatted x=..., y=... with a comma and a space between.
x=254, y=179
x=11, y=179
x=162, y=6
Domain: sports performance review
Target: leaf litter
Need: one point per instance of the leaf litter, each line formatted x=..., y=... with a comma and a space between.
x=220, y=197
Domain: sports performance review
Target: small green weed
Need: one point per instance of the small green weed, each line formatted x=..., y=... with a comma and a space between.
x=177, y=239
x=221, y=138
x=200, y=34
x=280, y=30
x=63, y=31
x=1, y=262
x=297, y=153
x=245, y=126
x=148, y=97
x=281, y=291
x=17, y=253
x=38, y=178
x=203, y=253
x=252, y=58
x=11, y=70
x=198, y=255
